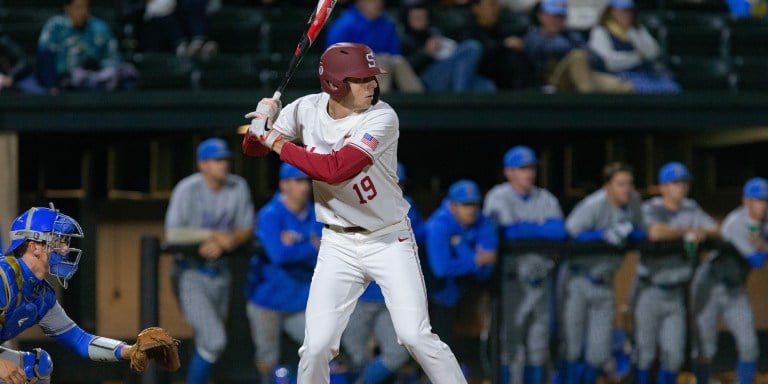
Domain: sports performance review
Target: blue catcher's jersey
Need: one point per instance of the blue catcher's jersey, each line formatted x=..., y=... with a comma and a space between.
x=25, y=299
x=453, y=262
x=283, y=278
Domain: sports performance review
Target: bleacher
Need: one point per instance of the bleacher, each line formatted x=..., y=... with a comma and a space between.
x=705, y=50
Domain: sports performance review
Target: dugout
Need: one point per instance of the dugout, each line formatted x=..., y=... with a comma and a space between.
x=111, y=162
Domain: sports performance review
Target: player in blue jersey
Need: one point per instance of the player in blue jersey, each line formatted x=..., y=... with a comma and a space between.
x=40, y=245
x=277, y=297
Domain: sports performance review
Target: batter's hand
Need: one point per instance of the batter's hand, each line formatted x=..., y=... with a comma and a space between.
x=263, y=131
x=268, y=108
x=11, y=373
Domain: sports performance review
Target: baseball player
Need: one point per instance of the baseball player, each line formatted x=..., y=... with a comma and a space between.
x=211, y=208
x=612, y=214
x=718, y=289
x=40, y=244
x=461, y=245
x=661, y=280
x=349, y=140
x=524, y=211
x=371, y=317
x=290, y=235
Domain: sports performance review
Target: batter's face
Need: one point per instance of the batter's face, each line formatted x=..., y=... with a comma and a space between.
x=620, y=187
x=522, y=179
x=361, y=91
x=296, y=190
x=675, y=191
x=756, y=208
x=466, y=214
x=78, y=11
x=215, y=170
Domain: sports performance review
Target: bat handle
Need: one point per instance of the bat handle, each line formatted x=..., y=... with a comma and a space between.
x=277, y=95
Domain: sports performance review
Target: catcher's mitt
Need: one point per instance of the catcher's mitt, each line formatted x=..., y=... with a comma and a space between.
x=155, y=343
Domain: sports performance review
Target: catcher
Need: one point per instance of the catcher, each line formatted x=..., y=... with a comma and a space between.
x=40, y=240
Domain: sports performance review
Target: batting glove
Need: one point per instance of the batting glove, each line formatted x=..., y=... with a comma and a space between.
x=268, y=108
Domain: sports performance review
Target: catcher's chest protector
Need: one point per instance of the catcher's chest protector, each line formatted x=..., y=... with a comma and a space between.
x=26, y=302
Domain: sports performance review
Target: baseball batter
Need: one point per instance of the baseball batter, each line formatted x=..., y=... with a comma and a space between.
x=217, y=205
x=612, y=214
x=718, y=289
x=349, y=149
x=40, y=244
x=524, y=212
x=659, y=297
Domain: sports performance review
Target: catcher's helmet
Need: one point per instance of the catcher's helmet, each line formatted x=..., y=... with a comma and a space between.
x=342, y=61
x=55, y=229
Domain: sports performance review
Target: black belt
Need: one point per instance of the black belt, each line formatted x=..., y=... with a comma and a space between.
x=355, y=229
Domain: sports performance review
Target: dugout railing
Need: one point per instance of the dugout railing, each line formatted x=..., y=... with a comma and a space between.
x=560, y=252
x=491, y=341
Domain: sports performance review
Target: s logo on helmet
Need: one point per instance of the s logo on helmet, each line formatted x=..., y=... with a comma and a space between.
x=370, y=59
x=320, y=70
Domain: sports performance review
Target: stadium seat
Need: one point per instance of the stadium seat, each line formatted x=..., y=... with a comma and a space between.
x=239, y=30
x=164, y=71
x=229, y=71
x=749, y=38
x=703, y=73
x=752, y=73
x=696, y=34
x=273, y=69
x=452, y=21
x=24, y=34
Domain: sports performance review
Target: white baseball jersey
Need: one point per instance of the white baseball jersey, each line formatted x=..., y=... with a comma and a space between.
x=371, y=199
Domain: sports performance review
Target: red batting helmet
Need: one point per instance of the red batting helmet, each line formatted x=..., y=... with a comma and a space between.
x=342, y=61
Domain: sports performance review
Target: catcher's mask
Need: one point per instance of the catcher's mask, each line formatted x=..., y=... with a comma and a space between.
x=56, y=230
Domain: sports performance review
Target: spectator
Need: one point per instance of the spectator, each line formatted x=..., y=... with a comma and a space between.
x=461, y=245
x=15, y=70
x=748, y=9
x=279, y=288
x=365, y=22
x=503, y=59
x=78, y=51
x=560, y=57
x=442, y=64
x=213, y=209
x=626, y=49
x=179, y=26
x=583, y=15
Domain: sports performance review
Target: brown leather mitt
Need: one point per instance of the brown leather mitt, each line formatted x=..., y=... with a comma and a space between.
x=154, y=343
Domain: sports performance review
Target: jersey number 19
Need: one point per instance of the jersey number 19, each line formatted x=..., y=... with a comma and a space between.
x=365, y=186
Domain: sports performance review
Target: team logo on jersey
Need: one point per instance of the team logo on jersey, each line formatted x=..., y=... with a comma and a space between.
x=370, y=141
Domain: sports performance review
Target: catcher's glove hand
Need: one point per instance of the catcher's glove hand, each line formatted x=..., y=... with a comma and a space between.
x=155, y=343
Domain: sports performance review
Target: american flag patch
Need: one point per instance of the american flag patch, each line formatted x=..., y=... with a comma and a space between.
x=370, y=141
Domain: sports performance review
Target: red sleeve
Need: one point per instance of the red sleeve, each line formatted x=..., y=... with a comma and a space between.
x=332, y=168
x=252, y=147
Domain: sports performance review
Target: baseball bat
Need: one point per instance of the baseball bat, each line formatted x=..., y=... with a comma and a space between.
x=315, y=23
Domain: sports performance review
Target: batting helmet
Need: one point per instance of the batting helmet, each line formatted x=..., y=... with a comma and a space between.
x=342, y=61
x=54, y=228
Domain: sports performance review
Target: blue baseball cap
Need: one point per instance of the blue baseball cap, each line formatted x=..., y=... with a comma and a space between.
x=622, y=4
x=554, y=7
x=213, y=148
x=401, y=175
x=756, y=188
x=519, y=156
x=464, y=192
x=673, y=171
x=288, y=171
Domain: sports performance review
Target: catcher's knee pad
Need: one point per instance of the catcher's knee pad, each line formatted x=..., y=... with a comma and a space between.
x=37, y=365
